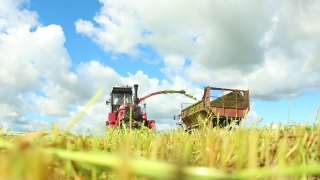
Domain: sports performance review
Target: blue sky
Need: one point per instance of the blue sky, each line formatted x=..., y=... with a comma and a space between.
x=81, y=48
x=301, y=108
x=233, y=49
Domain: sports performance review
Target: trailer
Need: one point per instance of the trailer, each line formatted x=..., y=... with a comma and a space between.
x=218, y=107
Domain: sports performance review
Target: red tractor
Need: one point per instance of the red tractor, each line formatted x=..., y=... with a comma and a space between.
x=122, y=99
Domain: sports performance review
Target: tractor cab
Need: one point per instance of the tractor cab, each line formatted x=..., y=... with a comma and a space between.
x=120, y=95
x=121, y=101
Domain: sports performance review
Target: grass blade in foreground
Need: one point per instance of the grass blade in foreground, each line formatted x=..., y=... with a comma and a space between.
x=162, y=170
x=77, y=117
x=140, y=166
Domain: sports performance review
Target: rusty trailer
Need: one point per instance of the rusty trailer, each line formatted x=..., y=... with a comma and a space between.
x=218, y=107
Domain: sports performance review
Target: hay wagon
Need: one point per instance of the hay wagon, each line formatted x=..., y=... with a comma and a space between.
x=218, y=107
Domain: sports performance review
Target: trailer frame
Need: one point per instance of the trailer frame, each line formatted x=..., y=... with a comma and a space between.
x=217, y=110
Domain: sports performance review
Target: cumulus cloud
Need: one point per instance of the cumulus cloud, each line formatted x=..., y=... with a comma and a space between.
x=36, y=59
x=245, y=45
x=12, y=16
x=232, y=44
x=33, y=57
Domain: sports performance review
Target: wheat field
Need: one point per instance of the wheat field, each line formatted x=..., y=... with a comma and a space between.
x=269, y=152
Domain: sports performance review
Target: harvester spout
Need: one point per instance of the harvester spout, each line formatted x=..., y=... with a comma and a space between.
x=165, y=92
x=136, y=99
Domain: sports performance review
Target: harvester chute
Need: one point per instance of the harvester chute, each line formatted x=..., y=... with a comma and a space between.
x=161, y=92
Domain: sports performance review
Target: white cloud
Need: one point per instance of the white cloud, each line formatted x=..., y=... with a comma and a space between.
x=173, y=65
x=231, y=44
x=12, y=17
x=28, y=56
x=253, y=117
x=50, y=107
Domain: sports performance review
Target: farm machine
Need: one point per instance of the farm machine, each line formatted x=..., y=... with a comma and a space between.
x=216, y=109
x=125, y=106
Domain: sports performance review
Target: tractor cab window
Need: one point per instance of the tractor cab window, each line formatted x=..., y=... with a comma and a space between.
x=128, y=99
x=122, y=98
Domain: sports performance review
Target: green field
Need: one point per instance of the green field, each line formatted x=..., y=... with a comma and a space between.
x=284, y=152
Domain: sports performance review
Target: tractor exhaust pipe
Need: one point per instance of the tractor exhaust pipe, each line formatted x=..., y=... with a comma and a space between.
x=136, y=99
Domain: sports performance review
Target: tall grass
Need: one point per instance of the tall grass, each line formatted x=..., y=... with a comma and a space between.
x=244, y=153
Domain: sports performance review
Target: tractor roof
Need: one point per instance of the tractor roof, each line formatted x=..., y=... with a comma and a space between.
x=121, y=89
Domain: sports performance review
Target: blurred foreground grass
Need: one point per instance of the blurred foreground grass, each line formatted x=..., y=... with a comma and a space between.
x=204, y=154
x=285, y=152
